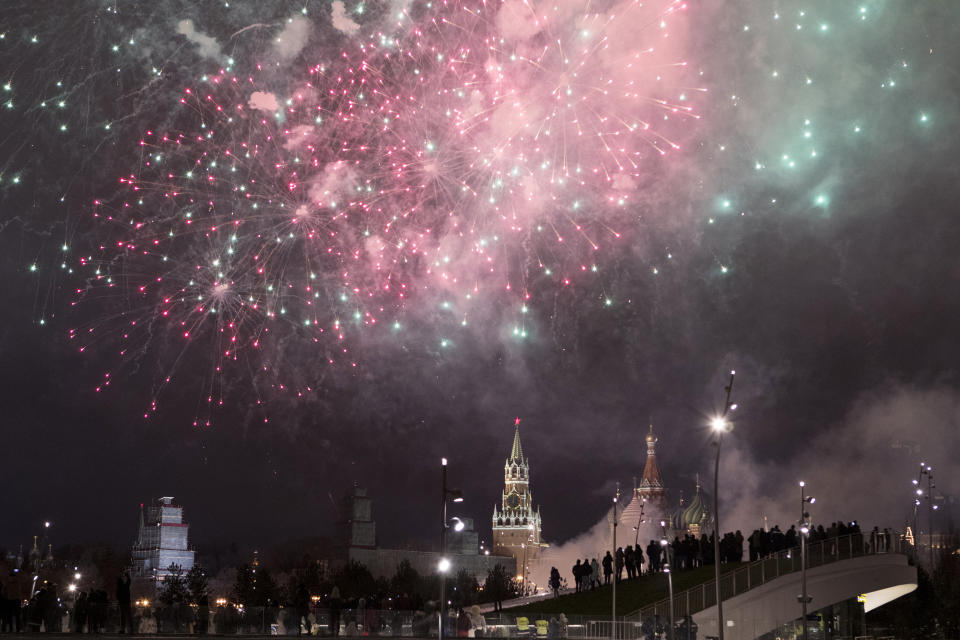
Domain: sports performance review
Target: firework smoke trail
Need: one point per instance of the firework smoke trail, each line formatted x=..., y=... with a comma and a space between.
x=485, y=150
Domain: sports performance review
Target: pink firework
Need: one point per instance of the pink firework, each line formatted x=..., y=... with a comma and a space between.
x=488, y=147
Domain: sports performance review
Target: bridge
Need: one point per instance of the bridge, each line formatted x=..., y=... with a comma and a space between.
x=762, y=597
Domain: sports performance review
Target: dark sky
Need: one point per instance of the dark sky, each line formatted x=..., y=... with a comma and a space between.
x=822, y=267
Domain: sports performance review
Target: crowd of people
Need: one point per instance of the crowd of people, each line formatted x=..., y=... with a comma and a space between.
x=91, y=611
x=44, y=609
x=763, y=543
x=689, y=552
x=630, y=562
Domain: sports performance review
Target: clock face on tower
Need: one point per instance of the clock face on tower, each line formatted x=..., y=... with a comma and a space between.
x=513, y=501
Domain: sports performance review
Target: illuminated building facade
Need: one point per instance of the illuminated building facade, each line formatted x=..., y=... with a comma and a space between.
x=162, y=541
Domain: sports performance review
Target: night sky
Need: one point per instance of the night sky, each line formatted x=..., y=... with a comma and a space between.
x=363, y=321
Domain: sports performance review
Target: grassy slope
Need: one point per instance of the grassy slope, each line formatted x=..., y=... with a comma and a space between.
x=631, y=594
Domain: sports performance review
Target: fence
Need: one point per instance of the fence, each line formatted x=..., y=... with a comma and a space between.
x=221, y=620
x=741, y=580
x=230, y=620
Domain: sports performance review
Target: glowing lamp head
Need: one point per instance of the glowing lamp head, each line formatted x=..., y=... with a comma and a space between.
x=802, y=483
x=720, y=425
x=459, y=525
x=444, y=565
x=443, y=461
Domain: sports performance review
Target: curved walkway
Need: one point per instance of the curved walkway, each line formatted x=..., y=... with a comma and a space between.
x=880, y=578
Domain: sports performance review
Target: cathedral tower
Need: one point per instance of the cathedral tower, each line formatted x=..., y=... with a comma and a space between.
x=516, y=525
x=648, y=503
x=651, y=487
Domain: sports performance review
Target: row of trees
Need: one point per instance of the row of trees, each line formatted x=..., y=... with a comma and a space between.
x=255, y=586
x=180, y=588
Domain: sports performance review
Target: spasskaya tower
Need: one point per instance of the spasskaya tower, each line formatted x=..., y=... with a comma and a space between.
x=516, y=524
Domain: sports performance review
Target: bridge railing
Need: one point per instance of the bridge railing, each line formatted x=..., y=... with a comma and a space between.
x=758, y=572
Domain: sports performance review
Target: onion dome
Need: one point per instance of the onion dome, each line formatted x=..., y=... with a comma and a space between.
x=696, y=512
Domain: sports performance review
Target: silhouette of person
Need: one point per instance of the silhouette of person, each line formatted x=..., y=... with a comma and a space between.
x=123, y=602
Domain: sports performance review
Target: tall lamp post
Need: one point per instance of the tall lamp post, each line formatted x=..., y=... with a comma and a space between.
x=613, y=626
x=530, y=541
x=720, y=426
x=636, y=536
x=927, y=470
x=38, y=560
x=804, y=531
x=665, y=543
x=444, y=565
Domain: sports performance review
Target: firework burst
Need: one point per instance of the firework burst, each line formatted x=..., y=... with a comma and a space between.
x=489, y=147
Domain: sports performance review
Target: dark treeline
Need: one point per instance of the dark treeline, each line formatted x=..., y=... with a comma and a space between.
x=95, y=594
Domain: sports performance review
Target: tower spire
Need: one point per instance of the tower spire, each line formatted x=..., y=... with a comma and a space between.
x=516, y=524
x=651, y=470
x=516, y=453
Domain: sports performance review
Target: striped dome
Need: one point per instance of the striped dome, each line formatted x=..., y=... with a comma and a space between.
x=696, y=512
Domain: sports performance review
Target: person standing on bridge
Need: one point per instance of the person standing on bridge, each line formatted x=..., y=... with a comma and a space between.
x=555, y=581
x=628, y=562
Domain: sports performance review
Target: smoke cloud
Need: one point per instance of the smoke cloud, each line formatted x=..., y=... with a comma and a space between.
x=207, y=46
x=341, y=21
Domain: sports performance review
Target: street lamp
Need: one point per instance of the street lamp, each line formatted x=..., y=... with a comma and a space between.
x=613, y=626
x=636, y=537
x=666, y=548
x=720, y=425
x=523, y=576
x=804, y=531
x=927, y=470
x=38, y=560
x=444, y=565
